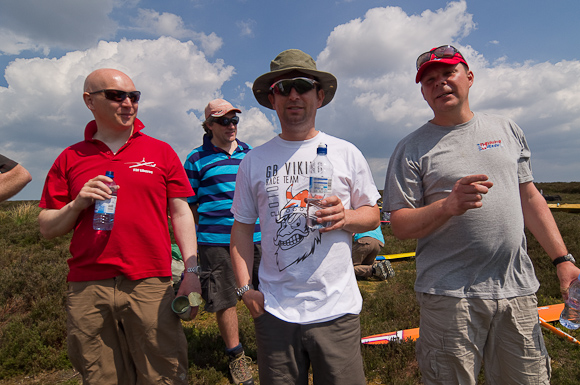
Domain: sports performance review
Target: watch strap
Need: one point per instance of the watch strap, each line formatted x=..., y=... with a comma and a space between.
x=565, y=258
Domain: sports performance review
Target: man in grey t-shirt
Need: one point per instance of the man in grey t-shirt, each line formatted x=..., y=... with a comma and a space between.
x=462, y=185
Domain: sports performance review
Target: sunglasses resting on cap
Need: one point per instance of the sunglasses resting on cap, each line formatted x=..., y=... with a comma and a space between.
x=119, y=96
x=444, y=54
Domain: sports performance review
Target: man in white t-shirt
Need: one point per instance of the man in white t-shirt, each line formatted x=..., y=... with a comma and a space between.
x=306, y=308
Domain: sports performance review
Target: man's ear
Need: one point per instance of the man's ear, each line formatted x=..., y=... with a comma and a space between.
x=320, y=98
x=88, y=101
x=470, y=77
x=271, y=99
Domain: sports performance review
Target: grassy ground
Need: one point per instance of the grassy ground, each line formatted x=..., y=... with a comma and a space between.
x=32, y=317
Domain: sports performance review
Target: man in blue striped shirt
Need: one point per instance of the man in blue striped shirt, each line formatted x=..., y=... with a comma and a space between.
x=211, y=169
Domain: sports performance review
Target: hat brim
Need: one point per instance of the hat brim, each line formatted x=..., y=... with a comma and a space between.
x=219, y=115
x=423, y=68
x=261, y=87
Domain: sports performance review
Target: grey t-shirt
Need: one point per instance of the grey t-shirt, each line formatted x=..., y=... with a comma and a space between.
x=482, y=253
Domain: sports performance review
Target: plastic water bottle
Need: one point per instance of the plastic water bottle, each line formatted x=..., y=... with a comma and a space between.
x=320, y=186
x=105, y=209
x=570, y=317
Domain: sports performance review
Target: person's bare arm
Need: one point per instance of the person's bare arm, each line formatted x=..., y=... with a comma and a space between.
x=13, y=181
x=186, y=238
x=358, y=220
x=414, y=223
x=242, y=255
x=539, y=220
x=57, y=222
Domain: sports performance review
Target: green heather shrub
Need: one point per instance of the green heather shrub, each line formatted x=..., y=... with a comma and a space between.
x=33, y=320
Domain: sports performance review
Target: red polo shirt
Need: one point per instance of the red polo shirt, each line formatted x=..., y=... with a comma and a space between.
x=148, y=172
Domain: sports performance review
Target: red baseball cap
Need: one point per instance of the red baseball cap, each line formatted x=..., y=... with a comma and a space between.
x=446, y=54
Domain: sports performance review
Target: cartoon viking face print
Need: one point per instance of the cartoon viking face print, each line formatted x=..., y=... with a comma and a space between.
x=292, y=238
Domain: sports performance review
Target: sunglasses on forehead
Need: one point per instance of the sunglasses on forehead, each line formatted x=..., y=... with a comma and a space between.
x=301, y=85
x=119, y=96
x=223, y=121
x=445, y=51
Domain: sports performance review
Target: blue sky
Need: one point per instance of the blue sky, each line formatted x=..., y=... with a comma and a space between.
x=181, y=54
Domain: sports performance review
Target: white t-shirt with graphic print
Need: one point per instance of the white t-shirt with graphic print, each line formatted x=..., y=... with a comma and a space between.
x=305, y=276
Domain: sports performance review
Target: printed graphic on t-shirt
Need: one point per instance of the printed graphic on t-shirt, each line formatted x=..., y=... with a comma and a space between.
x=287, y=190
x=489, y=144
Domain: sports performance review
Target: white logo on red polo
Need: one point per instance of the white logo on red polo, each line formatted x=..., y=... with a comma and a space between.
x=143, y=166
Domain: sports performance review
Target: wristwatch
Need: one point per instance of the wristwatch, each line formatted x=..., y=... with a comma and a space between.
x=241, y=290
x=565, y=258
x=195, y=269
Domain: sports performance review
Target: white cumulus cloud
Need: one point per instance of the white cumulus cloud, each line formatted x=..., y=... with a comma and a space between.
x=378, y=102
x=169, y=24
x=43, y=111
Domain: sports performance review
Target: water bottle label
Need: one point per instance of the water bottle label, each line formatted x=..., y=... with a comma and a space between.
x=106, y=207
x=319, y=186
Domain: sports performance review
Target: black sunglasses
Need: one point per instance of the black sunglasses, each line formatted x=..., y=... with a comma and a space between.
x=445, y=51
x=120, y=96
x=301, y=85
x=223, y=121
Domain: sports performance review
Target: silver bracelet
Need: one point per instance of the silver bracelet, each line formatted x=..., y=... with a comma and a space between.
x=241, y=290
x=195, y=269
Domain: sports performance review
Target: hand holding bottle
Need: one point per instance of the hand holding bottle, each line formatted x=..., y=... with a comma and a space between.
x=332, y=214
x=570, y=317
x=95, y=189
x=105, y=208
x=320, y=188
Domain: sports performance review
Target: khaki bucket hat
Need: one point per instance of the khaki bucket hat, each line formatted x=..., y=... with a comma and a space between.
x=288, y=61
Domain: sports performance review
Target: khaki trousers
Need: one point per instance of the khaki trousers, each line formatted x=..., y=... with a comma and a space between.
x=124, y=332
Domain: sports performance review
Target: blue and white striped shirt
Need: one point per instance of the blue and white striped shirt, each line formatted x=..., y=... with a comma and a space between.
x=212, y=174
